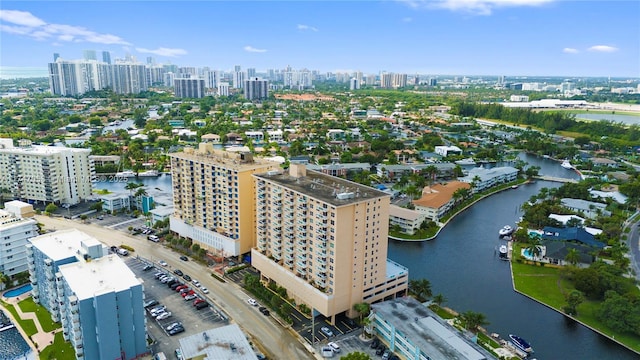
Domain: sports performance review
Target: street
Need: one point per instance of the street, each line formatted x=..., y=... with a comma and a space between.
x=277, y=342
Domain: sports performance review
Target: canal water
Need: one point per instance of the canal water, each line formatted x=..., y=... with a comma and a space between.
x=462, y=264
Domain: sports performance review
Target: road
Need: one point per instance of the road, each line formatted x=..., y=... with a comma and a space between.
x=278, y=342
x=634, y=247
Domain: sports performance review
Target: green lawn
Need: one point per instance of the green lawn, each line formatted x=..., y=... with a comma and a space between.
x=27, y=305
x=546, y=285
x=441, y=312
x=28, y=325
x=59, y=350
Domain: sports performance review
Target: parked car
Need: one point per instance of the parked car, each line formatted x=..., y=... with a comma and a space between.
x=374, y=343
x=264, y=310
x=195, y=283
x=149, y=303
x=326, y=352
x=123, y=252
x=252, y=302
x=190, y=297
x=164, y=315
x=187, y=293
x=176, y=330
x=179, y=288
x=197, y=301
x=178, y=272
x=162, y=262
x=176, y=285
x=184, y=258
x=202, y=305
x=204, y=290
x=380, y=350
x=153, y=238
x=386, y=355
x=179, y=355
x=100, y=217
x=157, y=310
x=325, y=330
x=147, y=267
x=334, y=346
x=186, y=277
x=173, y=325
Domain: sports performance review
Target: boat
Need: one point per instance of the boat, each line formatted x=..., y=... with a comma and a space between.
x=514, y=186
x=503, y=252
x=125, y=174
x=567, y=165
x=149, y=173
x=468, y=162
x=506, y=230
x=520, y=343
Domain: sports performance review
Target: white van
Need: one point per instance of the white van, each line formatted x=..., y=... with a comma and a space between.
x=159, y=356
x=123, y=252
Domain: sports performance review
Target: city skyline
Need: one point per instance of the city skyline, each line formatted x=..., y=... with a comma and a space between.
x=474, y=37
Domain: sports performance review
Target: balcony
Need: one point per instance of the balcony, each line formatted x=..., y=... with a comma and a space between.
x=302, y=272
x=301, y=265
x=302, y=257
x=288, y=258
x=289, y=249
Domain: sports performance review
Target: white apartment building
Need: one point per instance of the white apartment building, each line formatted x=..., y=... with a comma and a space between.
x=482, y=178
x=95, y=296
x=324, y=239
x=16, y=227
x=214, y=198
x=49, y=174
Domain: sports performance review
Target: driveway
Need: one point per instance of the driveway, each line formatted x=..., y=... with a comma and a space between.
x=277, y=342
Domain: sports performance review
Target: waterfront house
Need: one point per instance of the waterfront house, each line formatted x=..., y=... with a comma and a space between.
x=438, y=199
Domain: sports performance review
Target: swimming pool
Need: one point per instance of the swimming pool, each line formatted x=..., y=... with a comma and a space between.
x=17, y=291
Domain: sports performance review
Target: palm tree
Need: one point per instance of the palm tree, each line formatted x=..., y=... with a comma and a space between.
x=472, y=320
x=362, y=308
x=139, y=194
x=421, y=289
x=439, y=299
x=572, y=257
x=534, y=247
x=131, y=186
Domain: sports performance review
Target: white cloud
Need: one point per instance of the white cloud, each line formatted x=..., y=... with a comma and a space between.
x=407, y=19
x=476, y=7
x=29, y=25
x=570, y=51
x=163, y=51
x=306, y=27
x=603, y=48
x=249, y=48
x=20, y=18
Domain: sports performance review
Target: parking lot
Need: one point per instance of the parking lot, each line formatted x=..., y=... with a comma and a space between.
x=119, y=222
x=353, y=342
x=193, y=320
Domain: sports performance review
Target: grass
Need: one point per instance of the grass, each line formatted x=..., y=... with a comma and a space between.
x=547, y=285
x=441, y=312
x=44, y=318
x=59, y=350
x=28, y=326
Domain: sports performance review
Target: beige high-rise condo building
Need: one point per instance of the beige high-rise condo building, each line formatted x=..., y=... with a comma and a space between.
x=324, y=239
x=214, y=198
x=50, y=174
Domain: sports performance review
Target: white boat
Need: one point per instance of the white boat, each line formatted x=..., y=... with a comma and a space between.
x=125, y=174
x=520, y=343
x=503, y=252
x=567, y=165
x=149, y=173
x=468, y=161
x=506, y=230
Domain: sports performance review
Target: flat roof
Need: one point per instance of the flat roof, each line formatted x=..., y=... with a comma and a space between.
x=226, y=342
x=98, y=276
x=162, y=210
x=7, y=220
x=62, y=244
x=43, y=150
x=425, y=330
x=323, y=187
x=394, y=269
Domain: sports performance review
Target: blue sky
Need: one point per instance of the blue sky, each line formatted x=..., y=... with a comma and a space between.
x=462, y=37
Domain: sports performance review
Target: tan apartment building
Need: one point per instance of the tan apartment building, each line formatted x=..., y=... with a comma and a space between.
x=325, y=240
x=47, y=174
x=214, y=198
x=438, y=199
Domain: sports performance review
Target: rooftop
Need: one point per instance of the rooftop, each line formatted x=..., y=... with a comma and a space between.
x=228, y=159
x=8, y=220
x=43, y=150
x=394, y=269
x=63, y=244
x=425, y=330
x=326, y=188
x=227, y=342
x=98, y=276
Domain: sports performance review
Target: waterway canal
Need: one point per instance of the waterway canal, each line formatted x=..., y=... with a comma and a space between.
x=462, y=263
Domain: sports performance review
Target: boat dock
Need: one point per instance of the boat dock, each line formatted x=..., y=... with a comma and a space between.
x=556, y=179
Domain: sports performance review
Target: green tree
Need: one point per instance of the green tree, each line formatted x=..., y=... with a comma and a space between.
x=356, y=355
x=573, y=256
x=439, y=299
x=421, y=289
x=574, y=298
x=362, y=308
x=51, y=208
x=472, y=320
x=534, y=247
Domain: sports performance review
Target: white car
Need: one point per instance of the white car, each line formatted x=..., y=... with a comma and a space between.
x=196, y=283
x=334, y=346
x=162, y=262
x=164, y=315
x=204, y=290
x=252, y=302
x=190, y=297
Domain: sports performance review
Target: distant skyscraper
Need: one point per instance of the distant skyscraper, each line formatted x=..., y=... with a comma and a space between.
x=385, y=80
x=501, y=80
x=354, y=84
x=238, y=79
x=399, y=81
x=256, y=89
x=55, y=56
x=189, y=88
x=251, y=72
x=433, y=82
x=211, y=79
x=106, y=57
x=223, y=89
x=237, y=68
x=150, y=60
x=90, y=55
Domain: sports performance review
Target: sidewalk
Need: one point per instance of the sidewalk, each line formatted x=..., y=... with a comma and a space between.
x=42, y=338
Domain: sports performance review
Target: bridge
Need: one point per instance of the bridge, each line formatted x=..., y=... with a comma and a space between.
x=556, y=179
